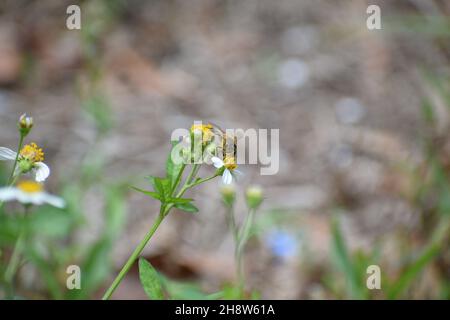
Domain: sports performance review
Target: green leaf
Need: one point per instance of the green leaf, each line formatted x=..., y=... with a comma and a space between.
x=150, y=280
x=51, y=222
x=10, y=228
x=96, y=266
x=413, y=271
x=344, y=262
x=179, y=200
x=173, y=169
x=428, y=112
x=47, y=271
x=99, y=108
x=231, y=292
x=183, y=290
x=188, y=207
x=167, y=188
x=148, y=193
x=159, y=186
x=162, y=187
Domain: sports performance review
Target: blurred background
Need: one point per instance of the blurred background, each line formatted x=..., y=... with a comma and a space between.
x=364, y=147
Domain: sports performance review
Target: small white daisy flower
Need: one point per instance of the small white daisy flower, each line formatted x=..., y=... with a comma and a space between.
x=230, y=165
x=30, y=192
x=30, y=158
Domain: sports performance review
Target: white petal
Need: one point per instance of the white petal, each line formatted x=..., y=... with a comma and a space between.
x=29, y=198
x=227, y=178
x=8, y=194
x=54, y=200
x=42, y=171
x=217, y=162
x=7, y=154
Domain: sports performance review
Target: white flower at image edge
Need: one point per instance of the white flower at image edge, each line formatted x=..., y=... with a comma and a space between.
x=30, y=192
x=41, y=170
x=229, y=165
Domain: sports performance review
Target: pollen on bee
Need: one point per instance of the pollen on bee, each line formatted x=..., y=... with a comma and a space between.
x=230, y=163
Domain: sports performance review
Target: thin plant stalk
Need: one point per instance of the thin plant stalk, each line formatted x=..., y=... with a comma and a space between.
x=11, y=176
x=134, y=256
x=15, y=258
x=164, y=211
x=14, y=261
x=242, y=238
x=13, y=179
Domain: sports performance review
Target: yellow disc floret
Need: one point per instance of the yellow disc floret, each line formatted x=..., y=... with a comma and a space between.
x=29, y=186
x=32, y=153
x=205, y=129
x=230, y=163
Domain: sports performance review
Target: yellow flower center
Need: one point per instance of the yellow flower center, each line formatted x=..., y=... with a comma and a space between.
x=32, y=153
x=206, y=130
x=29, y=186
x=230, y=163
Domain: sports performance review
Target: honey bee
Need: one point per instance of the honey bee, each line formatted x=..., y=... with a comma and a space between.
x=227, y=145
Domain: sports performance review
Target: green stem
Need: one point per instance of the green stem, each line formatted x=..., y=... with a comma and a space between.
x=192, y=174
x=12, y=183
x=134, y=256
x=14, y=262
x=240, y=273
x=201, y=181
x=232, y=223
x=243, y=237
x=237, y=252
x=10, y=180
x=177, y=181
x=186, y=187
x=245, y=232
x=15, y=258
x=164, y=211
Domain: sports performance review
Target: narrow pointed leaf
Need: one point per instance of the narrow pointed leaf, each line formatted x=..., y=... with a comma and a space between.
x=173, y=169
x=188, y=207
x=148, y=193
x=150, y=280
x=179, y=200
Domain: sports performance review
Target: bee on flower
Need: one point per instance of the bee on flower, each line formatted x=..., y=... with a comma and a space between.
x=29, y=192
x=29, y=159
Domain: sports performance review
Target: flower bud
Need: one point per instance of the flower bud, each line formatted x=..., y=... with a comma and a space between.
x=228, y=195
x=254, y=197
x=25, y=124
x=25, y=165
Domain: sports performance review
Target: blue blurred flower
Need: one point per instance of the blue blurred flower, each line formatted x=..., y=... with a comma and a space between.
x=282, y=244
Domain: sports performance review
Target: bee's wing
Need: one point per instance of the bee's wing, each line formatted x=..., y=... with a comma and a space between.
x=217, y=129
x=226, y=140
